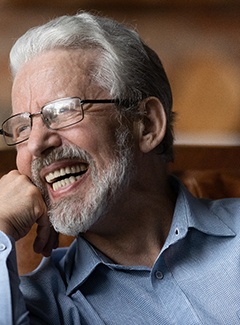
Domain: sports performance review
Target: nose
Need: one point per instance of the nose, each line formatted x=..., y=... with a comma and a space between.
x=42, y=139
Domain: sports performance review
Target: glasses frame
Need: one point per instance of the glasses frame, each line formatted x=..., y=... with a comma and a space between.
x=30, y=116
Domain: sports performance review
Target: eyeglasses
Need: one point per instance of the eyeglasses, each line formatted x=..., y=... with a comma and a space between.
x=56, y=115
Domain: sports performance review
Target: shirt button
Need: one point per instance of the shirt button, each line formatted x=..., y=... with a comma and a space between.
x=159, y=275
x=2, y=247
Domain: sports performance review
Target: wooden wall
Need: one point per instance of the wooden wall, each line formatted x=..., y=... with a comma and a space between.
x=198, y=41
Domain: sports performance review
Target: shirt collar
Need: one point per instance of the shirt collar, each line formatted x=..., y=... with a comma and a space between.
x=79, y=262
x=207, y=216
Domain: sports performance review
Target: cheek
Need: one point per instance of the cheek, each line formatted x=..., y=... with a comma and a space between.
x=96, y=138
x=23, y=162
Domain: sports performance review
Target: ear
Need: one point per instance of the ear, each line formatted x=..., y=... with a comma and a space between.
x=152, y=127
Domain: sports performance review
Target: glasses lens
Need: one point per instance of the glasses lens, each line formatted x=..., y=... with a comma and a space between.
x=17, y=128
x=62, y=113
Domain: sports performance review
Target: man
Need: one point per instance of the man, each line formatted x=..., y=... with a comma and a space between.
x=92, y=123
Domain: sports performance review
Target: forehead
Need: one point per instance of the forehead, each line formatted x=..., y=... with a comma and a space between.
x=52, y=75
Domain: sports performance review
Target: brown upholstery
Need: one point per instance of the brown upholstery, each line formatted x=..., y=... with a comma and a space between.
x=212, y=184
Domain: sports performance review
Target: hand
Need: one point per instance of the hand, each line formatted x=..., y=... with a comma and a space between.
x=21, y=205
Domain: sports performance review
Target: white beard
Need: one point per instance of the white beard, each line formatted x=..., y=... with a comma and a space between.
x=71, y=215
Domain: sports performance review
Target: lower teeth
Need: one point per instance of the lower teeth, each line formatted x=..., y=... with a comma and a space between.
x=65, y=182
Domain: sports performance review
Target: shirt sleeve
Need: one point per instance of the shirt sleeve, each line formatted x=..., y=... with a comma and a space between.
x=12, y=305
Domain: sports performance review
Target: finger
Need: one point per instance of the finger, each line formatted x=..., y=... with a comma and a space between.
x=46, y=240
x=43, y=232
x=19, y=209
x=52, y=243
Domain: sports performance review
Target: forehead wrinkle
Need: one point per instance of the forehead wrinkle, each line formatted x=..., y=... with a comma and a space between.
x=69, y=74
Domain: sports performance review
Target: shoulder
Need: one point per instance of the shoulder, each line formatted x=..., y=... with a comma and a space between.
x=50, y=275
x=228, y=210
x=44, y=290
x=217, y=217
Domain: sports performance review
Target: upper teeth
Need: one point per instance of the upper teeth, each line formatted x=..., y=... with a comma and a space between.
x=51, y=177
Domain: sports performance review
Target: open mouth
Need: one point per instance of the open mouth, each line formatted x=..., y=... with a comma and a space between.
x=66, y=176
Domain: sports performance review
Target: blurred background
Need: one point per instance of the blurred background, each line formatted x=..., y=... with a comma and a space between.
x=197, y=40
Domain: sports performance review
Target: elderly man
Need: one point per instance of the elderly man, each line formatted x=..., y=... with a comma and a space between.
x=92, y=123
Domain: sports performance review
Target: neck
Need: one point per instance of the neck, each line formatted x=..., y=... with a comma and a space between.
x=134, y=232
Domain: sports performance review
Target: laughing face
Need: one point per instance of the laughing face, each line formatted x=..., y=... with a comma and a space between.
x=82, y=169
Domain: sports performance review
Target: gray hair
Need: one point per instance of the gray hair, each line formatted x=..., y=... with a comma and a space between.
x=126, y=67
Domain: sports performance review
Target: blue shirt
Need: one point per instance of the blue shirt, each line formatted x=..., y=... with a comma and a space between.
x=195, y=279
